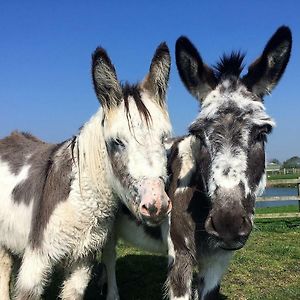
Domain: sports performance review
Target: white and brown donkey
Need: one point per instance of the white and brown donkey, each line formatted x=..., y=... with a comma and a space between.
x=58, y=201
x=216, y=171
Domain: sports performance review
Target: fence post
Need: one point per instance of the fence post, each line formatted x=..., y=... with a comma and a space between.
x=298, y=188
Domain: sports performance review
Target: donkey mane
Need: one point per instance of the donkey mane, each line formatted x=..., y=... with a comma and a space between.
x=229, y=65
x=134, y=91
x=27, y=135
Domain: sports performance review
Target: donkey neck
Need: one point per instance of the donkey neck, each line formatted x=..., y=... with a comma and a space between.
x=94, y=170
x=186, y=165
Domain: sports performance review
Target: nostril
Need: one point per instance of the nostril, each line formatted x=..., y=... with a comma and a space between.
x=148, y=210
x=245, y=227
x=152, y=209
x=144, y=210
x=210, y=227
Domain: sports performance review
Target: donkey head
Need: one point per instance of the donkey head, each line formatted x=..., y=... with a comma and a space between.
x=230, y=132
x=135, y=124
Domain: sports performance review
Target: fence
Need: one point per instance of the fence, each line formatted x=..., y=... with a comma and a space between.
x=271, y=170
x=281, y=198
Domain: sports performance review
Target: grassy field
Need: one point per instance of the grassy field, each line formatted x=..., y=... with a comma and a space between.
x=268, y=267
x=279, y=209
x=283, y=176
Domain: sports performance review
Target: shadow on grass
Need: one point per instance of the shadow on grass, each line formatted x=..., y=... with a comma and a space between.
x=139, y=277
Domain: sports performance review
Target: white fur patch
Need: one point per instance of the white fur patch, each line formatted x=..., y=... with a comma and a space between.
x=261, y=186
x=15, y=217
x=236, y=164
x=212, y=269
x=171, y=250
x=33, y=278
x=134, y=234
x=75, y=286
x=109, y=259
x=185, y=297
x=216, y=99
x=6, y=263
x=187, y=160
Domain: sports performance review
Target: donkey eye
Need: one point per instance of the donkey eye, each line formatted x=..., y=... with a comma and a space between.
x=164, y=138
x=118, y=142
x=261, y=137
x=261, y=134
x=116, y=145
x=201, y=137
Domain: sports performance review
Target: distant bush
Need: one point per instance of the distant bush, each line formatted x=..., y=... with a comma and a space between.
x=293, y=162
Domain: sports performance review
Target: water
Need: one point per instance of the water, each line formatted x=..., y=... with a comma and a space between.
x=279, y=191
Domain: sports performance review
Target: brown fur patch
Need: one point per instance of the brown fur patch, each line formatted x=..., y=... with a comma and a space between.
x=56, y=188
x=49, y=177
x=15, y=149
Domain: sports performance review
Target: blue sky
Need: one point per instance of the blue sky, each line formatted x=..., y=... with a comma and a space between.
x=46, y=46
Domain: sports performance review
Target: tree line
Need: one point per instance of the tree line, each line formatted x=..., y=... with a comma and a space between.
x=293, y=162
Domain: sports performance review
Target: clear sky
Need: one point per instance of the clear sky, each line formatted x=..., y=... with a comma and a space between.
x=46, y=46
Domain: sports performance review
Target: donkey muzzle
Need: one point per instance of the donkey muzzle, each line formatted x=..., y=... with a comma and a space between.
x=230, y=227
x=155, y=204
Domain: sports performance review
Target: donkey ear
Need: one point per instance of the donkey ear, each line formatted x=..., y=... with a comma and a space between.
x=156, y=82
x=106, y=85
x=265, y=72
x=197, y=77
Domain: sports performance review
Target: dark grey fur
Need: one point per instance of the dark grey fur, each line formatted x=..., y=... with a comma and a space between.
x=15, y=149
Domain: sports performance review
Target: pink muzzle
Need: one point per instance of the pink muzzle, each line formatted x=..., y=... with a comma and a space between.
x=155, y=204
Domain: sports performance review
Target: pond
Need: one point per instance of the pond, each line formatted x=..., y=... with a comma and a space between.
x=279, y=191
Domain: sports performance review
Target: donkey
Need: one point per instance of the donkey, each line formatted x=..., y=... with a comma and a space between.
x=216, y=171
x=58, y=201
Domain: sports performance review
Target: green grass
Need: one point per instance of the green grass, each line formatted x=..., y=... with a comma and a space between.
x=283, y=176
x=279, y=209
x=267, y=268
x=269, y=265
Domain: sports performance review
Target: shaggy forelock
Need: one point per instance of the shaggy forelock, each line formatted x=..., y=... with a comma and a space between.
x=229, y=65
x=232, y=97
x=135, y=92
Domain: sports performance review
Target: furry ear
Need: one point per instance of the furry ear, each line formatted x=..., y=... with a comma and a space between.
x=265, y=72
x=156, y=82
x=106, y=85
x=197, y=77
